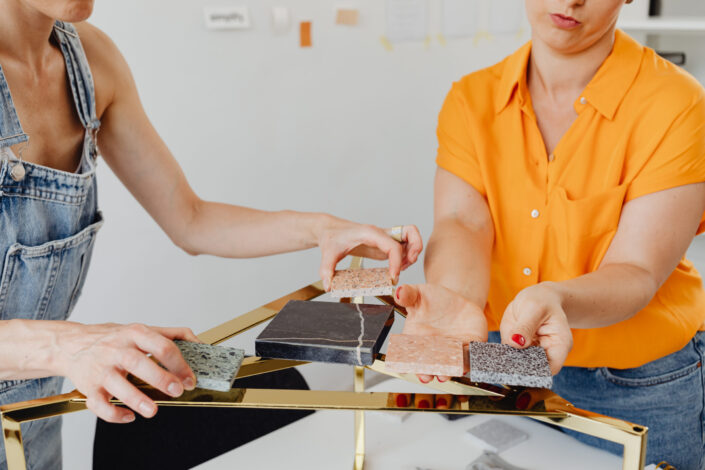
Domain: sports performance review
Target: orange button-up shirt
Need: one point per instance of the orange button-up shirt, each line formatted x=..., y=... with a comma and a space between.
x=640, y=129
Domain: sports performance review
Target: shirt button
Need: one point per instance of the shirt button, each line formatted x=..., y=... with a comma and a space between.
x=583, y=100
x=534, y=214
x=527, y=271
x=551, y=157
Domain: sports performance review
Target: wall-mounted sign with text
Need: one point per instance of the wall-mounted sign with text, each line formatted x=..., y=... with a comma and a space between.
x=233, y=17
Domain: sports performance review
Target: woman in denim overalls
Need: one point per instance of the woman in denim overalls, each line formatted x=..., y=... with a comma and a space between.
x=49, y=218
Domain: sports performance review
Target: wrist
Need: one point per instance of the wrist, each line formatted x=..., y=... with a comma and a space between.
x=41, y=355
x=317, y=226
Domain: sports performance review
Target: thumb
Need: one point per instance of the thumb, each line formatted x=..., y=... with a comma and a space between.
x=407, y=295
x=518, y=329
x=329, y=260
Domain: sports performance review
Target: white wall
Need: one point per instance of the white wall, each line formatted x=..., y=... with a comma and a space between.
x=344, y=127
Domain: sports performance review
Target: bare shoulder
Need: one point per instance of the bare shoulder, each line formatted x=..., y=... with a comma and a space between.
x=108, y=66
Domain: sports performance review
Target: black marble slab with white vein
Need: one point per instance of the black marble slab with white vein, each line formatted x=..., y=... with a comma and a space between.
x=326, y=332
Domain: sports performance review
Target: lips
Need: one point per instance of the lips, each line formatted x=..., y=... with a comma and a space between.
x=564, y=22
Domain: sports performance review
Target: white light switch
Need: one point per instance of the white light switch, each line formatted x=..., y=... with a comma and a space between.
x=233, y=17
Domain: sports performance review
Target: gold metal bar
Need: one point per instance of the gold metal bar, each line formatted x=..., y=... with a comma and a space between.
x=14, y=448
x=359, y=384
x=259, y=315
x=333, y=400
x=359, y=387
x=256, y=365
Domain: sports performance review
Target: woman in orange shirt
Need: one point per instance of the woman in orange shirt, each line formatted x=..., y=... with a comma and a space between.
x=569, y=186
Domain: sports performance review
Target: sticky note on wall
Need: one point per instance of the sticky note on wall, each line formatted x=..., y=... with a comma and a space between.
x=347, y=16
x=305, y=34
x=280, y=20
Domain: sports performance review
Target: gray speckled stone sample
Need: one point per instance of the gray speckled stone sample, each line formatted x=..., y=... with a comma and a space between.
x=326, y=332
x=495, y=363
x=215, y=366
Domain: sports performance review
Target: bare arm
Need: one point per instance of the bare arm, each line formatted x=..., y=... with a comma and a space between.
x=138, y=156
x=457, y=267
x=460, y=248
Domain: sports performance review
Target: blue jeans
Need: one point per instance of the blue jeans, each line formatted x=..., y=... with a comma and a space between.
x=666, y=395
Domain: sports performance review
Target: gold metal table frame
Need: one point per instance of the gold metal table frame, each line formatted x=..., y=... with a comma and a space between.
x=471, y=398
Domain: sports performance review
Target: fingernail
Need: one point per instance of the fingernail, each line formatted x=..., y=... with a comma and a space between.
x=519, y=339
x=398, y=292
x=189, y=383
x=401, y=401
x=441, y=402
x=523, y=401
x=423, y=381
x=146, y=409
x=175, y=389
x=128, y=418
x=441, y=379
x=424, y=404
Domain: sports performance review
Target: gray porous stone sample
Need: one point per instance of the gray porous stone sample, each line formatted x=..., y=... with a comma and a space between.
x=215, y=366
x=495, y=363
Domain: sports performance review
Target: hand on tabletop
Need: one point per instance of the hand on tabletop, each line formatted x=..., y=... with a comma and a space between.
x=341, y=238
x=97, y=359
x=536, y=317
x=434, y=310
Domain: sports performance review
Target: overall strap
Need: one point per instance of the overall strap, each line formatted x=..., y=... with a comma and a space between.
x=80, y=77
x=11, y=132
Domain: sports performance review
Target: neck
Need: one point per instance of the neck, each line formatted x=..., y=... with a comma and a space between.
x=559, y=74
x=26, y=34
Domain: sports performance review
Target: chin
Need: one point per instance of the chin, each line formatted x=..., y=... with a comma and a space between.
x=70, y=11
x=77, y=11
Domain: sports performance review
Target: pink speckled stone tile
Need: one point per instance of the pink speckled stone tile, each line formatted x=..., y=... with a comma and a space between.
x=431, y=355
x=361, y=282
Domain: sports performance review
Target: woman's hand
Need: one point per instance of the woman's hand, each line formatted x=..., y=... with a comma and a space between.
x=436, y=311
x=339, y=238
x=536, y=317
x=97, y=359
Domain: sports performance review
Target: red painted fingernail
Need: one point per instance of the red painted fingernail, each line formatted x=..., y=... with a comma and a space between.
x=398, y=292
x=423, y=381
x=424, y=404
x=518, y=339
x=523, y=401
x=401, y=401
x=441, y=402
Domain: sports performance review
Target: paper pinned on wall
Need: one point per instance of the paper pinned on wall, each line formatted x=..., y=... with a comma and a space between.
x=232, y=17
x=305, y=34
x=407, y=20
x=281, y=20
x=460, y=18
x=347, y=16
x=506, y=16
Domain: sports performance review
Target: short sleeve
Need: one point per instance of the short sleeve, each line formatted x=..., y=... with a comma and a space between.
x=679, y=158
x=455, y=149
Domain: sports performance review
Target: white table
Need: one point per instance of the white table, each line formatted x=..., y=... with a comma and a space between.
x=324, y=440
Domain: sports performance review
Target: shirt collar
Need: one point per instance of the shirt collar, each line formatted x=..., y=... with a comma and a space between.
x=605, y=91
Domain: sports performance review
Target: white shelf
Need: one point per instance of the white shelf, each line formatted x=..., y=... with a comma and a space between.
x=665, y=25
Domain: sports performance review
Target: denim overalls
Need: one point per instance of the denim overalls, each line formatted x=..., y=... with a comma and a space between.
x=48, y=222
